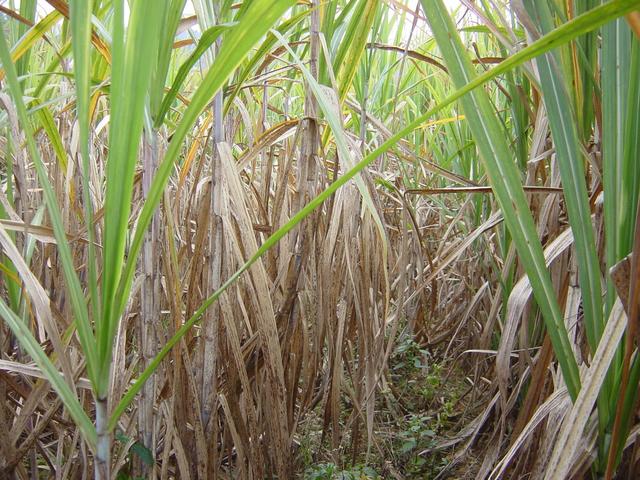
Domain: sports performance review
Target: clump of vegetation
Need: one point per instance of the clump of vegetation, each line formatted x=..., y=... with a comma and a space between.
x=414, y=436
x=329, y=471
x=319, y=239
x=413, y=416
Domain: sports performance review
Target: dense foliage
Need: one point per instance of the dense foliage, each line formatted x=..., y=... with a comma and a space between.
x=327, y=239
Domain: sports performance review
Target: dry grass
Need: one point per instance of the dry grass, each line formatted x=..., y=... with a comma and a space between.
x=397, y=325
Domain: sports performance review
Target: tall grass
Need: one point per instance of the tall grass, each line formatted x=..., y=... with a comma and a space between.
x=215, y=228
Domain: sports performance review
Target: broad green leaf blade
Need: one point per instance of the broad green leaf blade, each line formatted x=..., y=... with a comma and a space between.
x=562, y=120
x=620, y=144
x=631, y=149
x=620, y=67
x=80, y=14
x=507, y=186
x=133, y=63
x=571, y=162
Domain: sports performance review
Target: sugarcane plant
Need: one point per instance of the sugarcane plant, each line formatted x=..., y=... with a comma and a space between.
x=342, y=71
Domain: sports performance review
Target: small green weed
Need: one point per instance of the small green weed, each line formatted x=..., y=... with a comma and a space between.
x=136, y=450
x=417, y=434
x=330, y=471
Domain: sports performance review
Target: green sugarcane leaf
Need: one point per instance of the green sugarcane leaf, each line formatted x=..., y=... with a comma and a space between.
x=505, y=180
